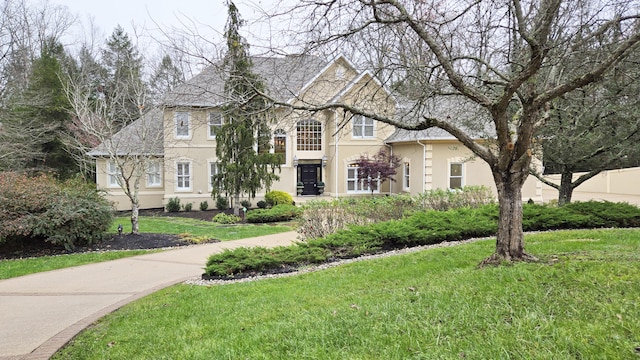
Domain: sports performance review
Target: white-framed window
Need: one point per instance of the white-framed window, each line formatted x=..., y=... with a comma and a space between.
x=356, y=185
x=154, y=174
x=363, y=127
x=215, y=122
x=309, y=135
x=280, y=144
x=183, y=129
x=114, y=174
x=183, y=176
x=456, y=175
x=406, y=174
x=214, y=170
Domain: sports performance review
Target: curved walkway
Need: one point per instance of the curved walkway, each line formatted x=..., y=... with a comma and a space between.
x=39, y=313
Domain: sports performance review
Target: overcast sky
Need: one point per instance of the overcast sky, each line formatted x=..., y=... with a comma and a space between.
x=208, y=15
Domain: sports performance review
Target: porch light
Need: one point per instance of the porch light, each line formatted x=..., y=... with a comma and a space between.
x=295, y=161
x=324, y=160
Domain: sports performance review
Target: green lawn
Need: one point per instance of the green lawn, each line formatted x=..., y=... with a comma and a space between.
x=19, y=267
x=580, y=301
x=164, y=225
x=198, y=228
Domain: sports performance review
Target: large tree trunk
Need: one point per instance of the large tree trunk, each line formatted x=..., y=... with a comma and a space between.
x=566, y=188
x=510, y=236
x=135, y=210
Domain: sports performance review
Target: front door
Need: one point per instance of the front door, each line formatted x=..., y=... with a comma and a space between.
x=309, y=175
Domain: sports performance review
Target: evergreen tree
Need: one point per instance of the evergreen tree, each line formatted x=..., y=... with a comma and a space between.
x=124, y=82
x=242, y=142
x=165, y=77
x=49, y=107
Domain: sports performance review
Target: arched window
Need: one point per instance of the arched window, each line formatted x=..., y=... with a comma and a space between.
x=309, y=135
x=280, y=144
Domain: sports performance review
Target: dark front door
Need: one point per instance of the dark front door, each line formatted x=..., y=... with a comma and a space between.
x=309, y=177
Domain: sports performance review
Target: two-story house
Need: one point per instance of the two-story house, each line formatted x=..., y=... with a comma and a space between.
x=316, y=147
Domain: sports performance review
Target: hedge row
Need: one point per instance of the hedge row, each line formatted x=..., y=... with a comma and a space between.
x=274, y=214
x=423, y=228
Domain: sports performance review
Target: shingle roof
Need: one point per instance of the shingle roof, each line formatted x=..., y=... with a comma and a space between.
x=284, y=77
x=461, y=112
x=142, y=137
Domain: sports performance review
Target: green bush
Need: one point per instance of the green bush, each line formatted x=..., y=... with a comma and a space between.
x=430, y=227
x=246, y=204
x=607, y=214
x=262, y=204
x=252, y=261
x=223, y=218
x=173, y=205
x=274, y=214
x=276, y=197
x=63, y=213
x=204, y=205
x=222, y=203
x=187, y=207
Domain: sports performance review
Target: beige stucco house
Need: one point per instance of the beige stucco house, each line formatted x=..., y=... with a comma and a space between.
x=316, y=147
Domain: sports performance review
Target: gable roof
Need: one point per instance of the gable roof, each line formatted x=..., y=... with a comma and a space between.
x=284, y=78
x=142, y=137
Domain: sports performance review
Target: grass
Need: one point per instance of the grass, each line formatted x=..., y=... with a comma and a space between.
x=580, y=301
x=198, y=228
x=19, y=267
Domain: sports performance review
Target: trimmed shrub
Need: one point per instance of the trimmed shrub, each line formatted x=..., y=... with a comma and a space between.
x=246, y=204
x=276, y=197
x=187, y=207
x=222, y=203
x=223, y=218
x=69, y=213
x=262, y=204
x=607, y=214
x=252, y=261
x=423, y=228
x=173, y=205
x=274, y=214
x=204, y=205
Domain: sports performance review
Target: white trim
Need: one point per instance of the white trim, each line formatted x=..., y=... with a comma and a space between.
x=189, y=176
x=461, y=176
x=211, y=136
x=149, y=173
x=320, y=73
x=406, y=176
x=210, y=173
x=363, y=127
x=113, y=173
x=175, y=125
x=360, y=186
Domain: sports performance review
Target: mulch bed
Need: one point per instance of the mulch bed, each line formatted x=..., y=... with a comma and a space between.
x=37, y=248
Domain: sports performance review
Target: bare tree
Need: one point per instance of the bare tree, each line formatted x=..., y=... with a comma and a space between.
x=501, y=61
x=129, y=150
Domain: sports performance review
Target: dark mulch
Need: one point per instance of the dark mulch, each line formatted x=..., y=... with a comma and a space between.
x=37, y=248
x=116, y=242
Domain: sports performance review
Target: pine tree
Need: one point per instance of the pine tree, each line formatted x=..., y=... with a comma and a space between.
x=124, y=81
x=242, y=142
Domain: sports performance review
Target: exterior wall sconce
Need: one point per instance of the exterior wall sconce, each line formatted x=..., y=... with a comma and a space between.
x=295, y=161
x=324, y=160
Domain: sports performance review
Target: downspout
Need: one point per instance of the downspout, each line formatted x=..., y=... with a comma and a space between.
x=424, y=166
